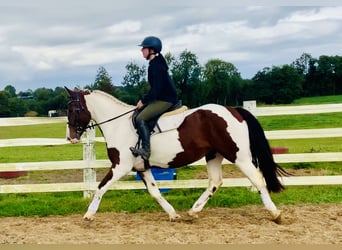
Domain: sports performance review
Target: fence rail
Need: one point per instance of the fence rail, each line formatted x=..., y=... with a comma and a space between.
x=96, y=164
x=89, y=164
x=292, y=110
x=275, y=134
x=175, y=184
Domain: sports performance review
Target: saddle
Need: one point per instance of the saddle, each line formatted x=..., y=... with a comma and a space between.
x=169, y=120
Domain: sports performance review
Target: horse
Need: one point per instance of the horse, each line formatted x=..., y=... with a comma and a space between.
x=212, y=131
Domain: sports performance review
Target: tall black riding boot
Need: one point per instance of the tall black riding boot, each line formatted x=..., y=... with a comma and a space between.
x=144, y=133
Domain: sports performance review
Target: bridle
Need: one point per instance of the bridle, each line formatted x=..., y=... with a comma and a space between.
x=79, y=127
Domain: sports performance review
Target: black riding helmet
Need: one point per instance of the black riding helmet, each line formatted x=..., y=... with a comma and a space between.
x=152, y=42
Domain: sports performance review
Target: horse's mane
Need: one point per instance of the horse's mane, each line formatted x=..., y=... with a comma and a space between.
x=104, y=94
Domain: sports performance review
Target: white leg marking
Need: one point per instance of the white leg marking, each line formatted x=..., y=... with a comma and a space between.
x=95, y=203
x=93, y=207
x=155, y=193
x=255, y=176
x=200, y=203
x=266, y=199
x=269, y=205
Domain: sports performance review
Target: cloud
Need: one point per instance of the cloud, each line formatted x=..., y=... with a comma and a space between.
x=49, y=43
x=68, y=46
x=315, y=14
x=239, y=40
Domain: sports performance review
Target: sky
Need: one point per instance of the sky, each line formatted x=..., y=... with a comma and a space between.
x=46, y=43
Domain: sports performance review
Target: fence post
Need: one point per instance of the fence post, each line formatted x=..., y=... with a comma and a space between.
x=89, y=156
x=250, y=106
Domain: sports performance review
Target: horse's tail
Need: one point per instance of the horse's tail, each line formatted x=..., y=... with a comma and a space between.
x=261, y=152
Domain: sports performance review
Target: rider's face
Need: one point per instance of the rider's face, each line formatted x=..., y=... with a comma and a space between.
x=145, y=52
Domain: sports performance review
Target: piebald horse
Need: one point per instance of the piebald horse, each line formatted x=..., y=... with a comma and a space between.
x=211, y=131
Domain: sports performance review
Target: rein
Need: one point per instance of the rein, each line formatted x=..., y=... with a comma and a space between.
x=93, y=125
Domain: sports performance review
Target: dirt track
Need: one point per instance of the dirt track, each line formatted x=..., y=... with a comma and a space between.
x=301, y=224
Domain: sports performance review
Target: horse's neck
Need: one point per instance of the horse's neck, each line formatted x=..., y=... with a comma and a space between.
x=103, y=108
x=117, y=131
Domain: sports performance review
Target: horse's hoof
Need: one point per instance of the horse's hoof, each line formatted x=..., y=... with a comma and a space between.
x=193, y=214
x=276, y=216
x=173, y=217
x=89, y=217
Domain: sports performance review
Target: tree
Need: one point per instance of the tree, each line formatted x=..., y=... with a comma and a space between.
x=187, y=73
x=337, y=74
x=169, y=58
x=262, y=87
x=4, y=110
x=134, y=82
x=311, y=85
x=59, y=100
x=11, y=90
x=223, y=80
x=278, y=85
x=135, y=75
x=302, y=64
x=42, y=98
x=328, y=70
x=17, y=107
x=324, y=76
x=103, y=82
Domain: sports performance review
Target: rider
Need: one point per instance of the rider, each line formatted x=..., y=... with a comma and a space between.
x=161, y=96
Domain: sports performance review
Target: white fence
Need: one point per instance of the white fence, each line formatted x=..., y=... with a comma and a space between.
x=89, y=163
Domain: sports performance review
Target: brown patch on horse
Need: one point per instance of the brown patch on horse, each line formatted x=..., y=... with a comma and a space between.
x=114, y=157
x=203, y=133
x=235, y=113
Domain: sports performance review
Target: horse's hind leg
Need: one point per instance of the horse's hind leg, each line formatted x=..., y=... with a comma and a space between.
x=255, y=176
x=214, y=168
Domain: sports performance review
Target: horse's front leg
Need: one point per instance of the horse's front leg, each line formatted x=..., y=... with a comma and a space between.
x=152, y=188
x=114, y=174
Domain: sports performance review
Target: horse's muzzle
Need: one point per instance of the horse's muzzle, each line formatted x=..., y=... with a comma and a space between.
x=74, y=140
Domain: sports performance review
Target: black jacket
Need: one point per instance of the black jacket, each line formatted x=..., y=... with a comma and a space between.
x=162, y=87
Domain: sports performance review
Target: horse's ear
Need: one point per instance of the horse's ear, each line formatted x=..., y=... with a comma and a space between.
x=68, y=90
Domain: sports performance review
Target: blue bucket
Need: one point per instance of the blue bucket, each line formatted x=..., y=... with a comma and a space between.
x=162, y=174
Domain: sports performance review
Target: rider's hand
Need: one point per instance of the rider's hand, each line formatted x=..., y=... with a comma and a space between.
x=139, y=104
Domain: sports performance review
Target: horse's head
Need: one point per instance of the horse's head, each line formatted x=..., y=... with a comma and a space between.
x=78, y=114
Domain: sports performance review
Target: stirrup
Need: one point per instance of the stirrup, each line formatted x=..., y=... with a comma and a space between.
x=134, y=151
x=140, y=151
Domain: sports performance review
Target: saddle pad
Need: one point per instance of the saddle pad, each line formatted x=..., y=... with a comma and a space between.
x=171, y=120
x=176, y=111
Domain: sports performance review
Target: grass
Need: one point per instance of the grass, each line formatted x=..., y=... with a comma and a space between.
x=48, y=153
x=312, y=145
x=54, y=130
x=309, y=121
x=44, y=204
x=331, y=99
x=318, y=100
